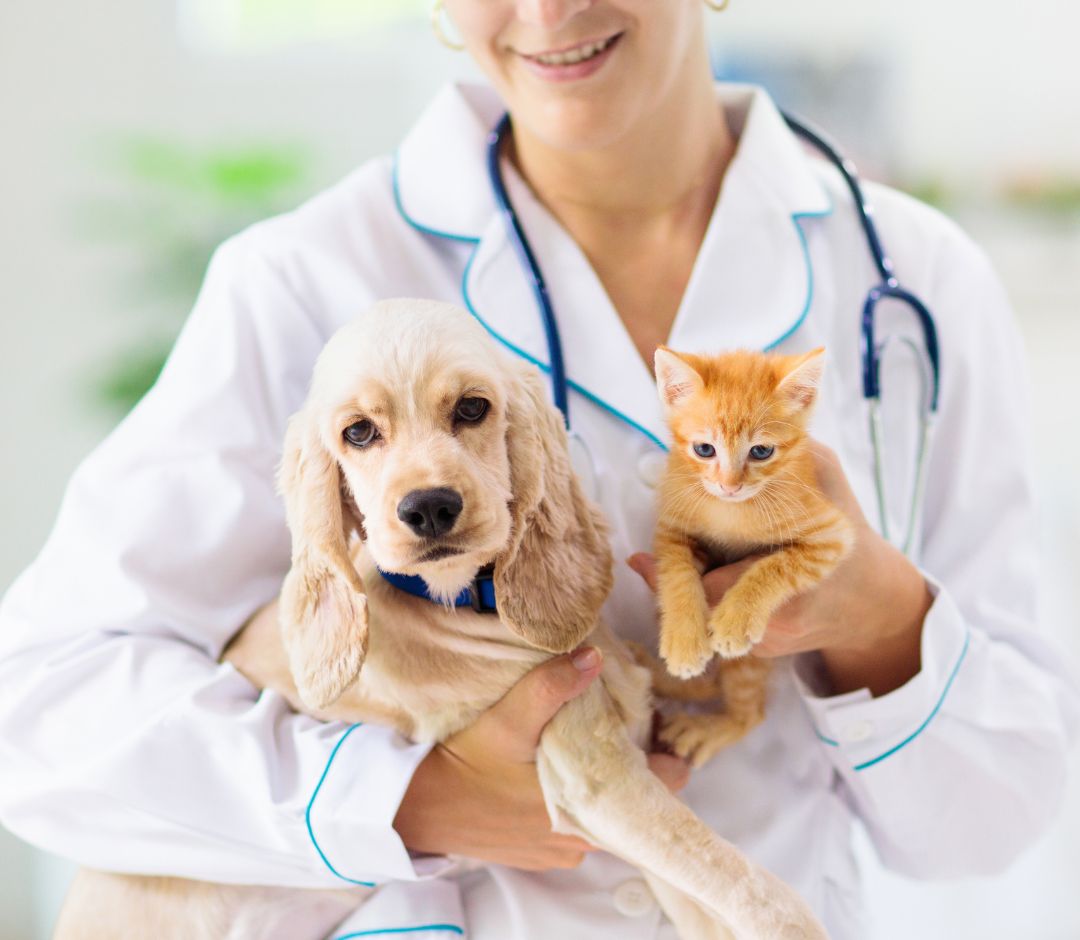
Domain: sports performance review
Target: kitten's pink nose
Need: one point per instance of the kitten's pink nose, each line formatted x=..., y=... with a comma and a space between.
x=730, y=490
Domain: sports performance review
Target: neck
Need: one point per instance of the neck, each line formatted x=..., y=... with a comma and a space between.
x=667, y=168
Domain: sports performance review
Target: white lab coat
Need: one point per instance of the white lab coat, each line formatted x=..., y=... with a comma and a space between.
x=124, y=745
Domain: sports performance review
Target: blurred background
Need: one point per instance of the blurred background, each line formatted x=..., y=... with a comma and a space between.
x=136, y=135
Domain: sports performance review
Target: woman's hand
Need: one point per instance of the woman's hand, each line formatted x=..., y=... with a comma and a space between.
x=865, y=619
x=477, y=793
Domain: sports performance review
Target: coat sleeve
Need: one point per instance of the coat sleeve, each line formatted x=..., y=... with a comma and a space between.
x=957, y=771
x=124, y=744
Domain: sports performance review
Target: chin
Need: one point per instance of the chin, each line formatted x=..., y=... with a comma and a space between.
x=446, y=579
x=580, y=125
x=740, y=497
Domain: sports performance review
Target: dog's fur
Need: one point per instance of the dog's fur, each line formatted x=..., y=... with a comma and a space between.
x=352, y=646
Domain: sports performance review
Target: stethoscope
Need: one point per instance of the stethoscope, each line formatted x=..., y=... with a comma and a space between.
x=873, y=351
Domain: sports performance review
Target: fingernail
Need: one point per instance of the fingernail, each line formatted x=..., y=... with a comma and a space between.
x=586, y=658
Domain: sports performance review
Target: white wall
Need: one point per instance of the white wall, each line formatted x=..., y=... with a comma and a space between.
x=985, y=91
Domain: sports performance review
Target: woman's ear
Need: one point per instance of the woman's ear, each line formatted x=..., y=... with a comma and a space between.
x=555, y=573
x=324, y=620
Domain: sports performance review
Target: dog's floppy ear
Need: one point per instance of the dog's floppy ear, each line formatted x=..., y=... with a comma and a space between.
x=324, y=618
x=556, y=570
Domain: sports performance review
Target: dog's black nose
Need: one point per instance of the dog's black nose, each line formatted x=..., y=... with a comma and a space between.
x=431, y=513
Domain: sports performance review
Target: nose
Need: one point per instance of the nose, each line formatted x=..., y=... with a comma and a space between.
x=551, y=14
x=430, y=513
x=731, y=490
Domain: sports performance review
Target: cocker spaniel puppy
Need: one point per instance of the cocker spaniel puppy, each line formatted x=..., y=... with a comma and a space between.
x=424, y=450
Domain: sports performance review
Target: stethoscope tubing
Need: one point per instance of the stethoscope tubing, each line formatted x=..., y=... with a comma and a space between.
x=559, y=384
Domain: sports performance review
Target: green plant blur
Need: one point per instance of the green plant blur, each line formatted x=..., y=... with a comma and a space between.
x=172, y=204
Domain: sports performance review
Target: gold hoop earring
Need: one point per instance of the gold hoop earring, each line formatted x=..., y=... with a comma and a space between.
x=436, y=25
x=717, y=7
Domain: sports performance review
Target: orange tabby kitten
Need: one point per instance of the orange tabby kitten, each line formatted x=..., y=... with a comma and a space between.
x=739, y=480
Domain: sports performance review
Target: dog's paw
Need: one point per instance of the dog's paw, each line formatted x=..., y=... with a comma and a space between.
x=769, y=907
x=733, y=630
x=685, y=652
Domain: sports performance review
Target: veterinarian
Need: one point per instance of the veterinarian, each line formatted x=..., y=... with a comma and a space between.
x=916, y=695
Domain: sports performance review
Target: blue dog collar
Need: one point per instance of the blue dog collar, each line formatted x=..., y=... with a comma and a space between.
x=479, y=595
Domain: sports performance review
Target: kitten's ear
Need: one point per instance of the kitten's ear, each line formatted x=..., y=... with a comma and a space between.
x=676, y=379
x=801, y=378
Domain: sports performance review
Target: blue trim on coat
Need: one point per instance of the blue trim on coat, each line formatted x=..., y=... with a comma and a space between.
x=451, y=928
x=311, y=802
x=416, y=225
x=796, y=218
x=544, y=367
x=911, y=737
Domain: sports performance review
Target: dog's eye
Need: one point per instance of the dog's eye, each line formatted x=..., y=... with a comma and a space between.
x=471, y=409
x=361, y=433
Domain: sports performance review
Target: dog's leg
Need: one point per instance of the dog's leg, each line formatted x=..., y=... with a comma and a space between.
x=598, y=784
x=106, y=906
x=691, y=920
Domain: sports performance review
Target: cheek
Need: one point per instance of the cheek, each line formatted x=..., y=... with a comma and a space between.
x=477, y=23
x=489, y=461
x=359, y=480
x=666, y=35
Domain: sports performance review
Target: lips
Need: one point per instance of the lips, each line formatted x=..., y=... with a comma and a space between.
x=573, y=54
x=572, y=62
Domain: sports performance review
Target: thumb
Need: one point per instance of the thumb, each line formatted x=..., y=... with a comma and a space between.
x=522, y=713
x=644, y=564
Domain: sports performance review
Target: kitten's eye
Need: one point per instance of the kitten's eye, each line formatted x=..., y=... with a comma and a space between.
x=472, y=409
x=361, y=433
x=705, y=451
x=761, y=452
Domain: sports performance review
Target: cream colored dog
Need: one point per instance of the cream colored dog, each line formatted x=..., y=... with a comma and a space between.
x=443, y=455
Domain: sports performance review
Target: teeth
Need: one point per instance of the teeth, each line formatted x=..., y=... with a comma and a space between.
x=572, y=56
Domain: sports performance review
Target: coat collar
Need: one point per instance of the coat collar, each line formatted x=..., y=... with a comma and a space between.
x=440, y=171
x=751, y=287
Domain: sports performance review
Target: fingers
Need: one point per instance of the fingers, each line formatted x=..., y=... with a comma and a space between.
x=833, y=481
x=644, y=565
x=673, y=771
x=716, y=581
x=515, y=722
x=719, y=580
x=547, y=859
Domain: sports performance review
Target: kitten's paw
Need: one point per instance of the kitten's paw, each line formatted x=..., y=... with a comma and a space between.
x=734, y=630
x=686, y=652
x=698, y=738
x=642, y=654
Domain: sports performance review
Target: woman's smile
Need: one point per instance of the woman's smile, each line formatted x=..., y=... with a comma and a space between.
x=572, y=63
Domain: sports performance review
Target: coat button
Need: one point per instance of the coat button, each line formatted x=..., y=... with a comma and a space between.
x=858, y=731
x=651, y=467
x=633, y=898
